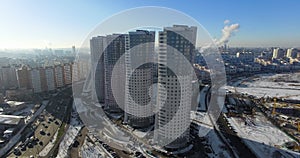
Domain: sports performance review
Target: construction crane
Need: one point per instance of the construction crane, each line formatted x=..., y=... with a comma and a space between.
x=274, y=107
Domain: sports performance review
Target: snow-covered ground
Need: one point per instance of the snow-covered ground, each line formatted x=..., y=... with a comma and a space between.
x=272, y=85
x=26, y=111
x=98, y=123
x=206, y=130
x=262, y=136
x=72, y=132
x=201, y=99
x=9, y=120
x=90, y=150
x=217, y=146
x=110, y=137
x=14, y=103
x=202, y=119
x=141, y=134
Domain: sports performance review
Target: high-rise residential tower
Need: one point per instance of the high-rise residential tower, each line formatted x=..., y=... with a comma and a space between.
x=139, y=47
x=43, y=79
x=67, y=74
x=174, y=95
x=278, y=53
x=97, y=66
x=35, y=79
x=292, y=53
x=9, y=77
x=115, y=49
x=49, y=74
x=59, y=76
x=23, y=77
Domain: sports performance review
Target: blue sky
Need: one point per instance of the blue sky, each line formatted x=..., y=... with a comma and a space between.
x=58, y=23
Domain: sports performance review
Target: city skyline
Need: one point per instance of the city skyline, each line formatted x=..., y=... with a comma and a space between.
x=128, y=98
x=34, y=24
x=146, y=79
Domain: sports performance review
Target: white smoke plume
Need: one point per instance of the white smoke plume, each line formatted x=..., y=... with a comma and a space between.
x=226, y=22
x=227, y=31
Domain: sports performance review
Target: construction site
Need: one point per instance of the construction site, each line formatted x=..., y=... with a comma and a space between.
x=264, y=110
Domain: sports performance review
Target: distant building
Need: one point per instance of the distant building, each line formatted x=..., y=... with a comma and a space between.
x=80, y=70
x=43, y=80
x=278, y=53
x=76, y=71
x=9, y=77
x=59, y=76
x=67, y=74
x=50, y=79
x=292, y=53
x=289, y=52
x=245, y=56
x=230, y=69
x=23, y=77
x=35, y=79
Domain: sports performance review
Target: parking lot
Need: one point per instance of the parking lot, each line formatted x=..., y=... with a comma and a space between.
x=43, y=134
x=45, y=127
